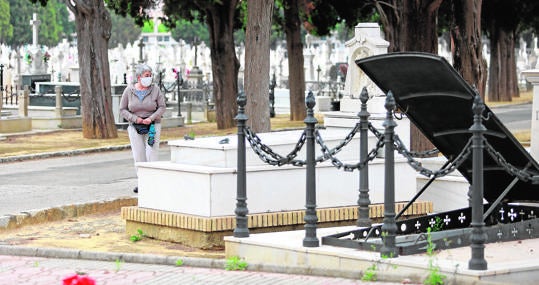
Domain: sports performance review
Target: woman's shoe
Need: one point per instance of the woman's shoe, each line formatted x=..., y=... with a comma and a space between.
x=135, y=190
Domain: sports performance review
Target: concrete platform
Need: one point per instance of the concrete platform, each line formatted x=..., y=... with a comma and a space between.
x=514, y=262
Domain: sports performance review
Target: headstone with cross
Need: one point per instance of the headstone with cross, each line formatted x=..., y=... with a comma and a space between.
x=38, y=69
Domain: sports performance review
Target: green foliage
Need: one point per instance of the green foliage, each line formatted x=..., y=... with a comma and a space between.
x=434, y=277
x=118, y=264
x=235, y=263
x=324, y=16
x=124, y=30
x=6, y=30
x=138, y=236
x=54, y=18
x=149, y=26
x=370, y=273
x=189, y=30
x=179, y=262
x=438, y=225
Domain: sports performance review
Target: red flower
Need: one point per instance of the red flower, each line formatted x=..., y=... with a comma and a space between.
x=78, y=280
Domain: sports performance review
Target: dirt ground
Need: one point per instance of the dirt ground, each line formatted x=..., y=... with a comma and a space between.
x=103, y=232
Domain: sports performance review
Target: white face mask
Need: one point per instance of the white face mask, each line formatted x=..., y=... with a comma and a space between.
x=146, y=81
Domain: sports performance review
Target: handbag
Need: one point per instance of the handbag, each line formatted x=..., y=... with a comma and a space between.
x=142, y=129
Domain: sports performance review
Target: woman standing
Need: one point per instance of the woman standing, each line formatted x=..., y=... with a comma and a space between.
x=142, y=105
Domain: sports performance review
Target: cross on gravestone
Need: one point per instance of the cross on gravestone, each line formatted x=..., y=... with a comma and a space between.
x=195, y=43
x=35, y=25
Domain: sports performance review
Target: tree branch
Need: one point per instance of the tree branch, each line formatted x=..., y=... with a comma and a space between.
x=81, y=7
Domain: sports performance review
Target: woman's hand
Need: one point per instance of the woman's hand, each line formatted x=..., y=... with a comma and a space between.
x=147, y=121
x=139, y=120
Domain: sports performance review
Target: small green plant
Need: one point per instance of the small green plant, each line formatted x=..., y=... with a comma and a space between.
x=138, y=236
x=438, y=224
x=370, y=273
x=434, y=277
x=235, y=263
x=179, y=262
x=118, y=263
x=36, y=264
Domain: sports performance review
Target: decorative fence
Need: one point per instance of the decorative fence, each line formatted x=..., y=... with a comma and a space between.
x=9, y=95
x=386, y=233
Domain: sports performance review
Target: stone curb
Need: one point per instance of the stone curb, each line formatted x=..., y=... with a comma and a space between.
x=15, y=221
x=62, y=153
x=17, y=158
x=65, y=253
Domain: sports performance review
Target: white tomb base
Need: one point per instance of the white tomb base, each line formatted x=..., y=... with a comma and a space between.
x=201, y=177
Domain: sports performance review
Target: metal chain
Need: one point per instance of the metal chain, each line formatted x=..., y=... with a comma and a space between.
x=370, y=157
x=523, y=175
x=423, y=154
x=328, y=153
x=267, y=155
x=416, y=165
x=170, y=89
x=375, y=131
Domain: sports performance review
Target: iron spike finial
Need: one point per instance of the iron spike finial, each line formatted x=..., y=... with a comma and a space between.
x=478, y=105
x=390, y=101
x=309, y=100
x=364, y=96
x=241, y=100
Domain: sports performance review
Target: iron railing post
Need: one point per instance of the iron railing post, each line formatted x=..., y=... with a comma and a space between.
x=179, y=82
x=241, y=211
x=478, y=236
x=310, y=218
x=363, y=202
x=389, y=226
x=1, y=84
x=273, y=83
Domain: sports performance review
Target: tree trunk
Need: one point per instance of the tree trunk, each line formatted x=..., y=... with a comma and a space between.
x=411, y=25
x=390, y=16
x=257, y=63
x=93, y=33
x=296, y=73
x=225, y=64
x=502, y=83
x=466, y=43
x=418, y=32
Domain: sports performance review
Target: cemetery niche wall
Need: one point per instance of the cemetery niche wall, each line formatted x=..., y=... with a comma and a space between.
x=447, y=111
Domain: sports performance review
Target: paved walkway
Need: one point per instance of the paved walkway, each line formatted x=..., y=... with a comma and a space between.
x=47, y=271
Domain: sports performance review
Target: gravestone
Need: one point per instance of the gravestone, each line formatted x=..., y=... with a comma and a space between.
x=38, y=68
x=367, y=42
